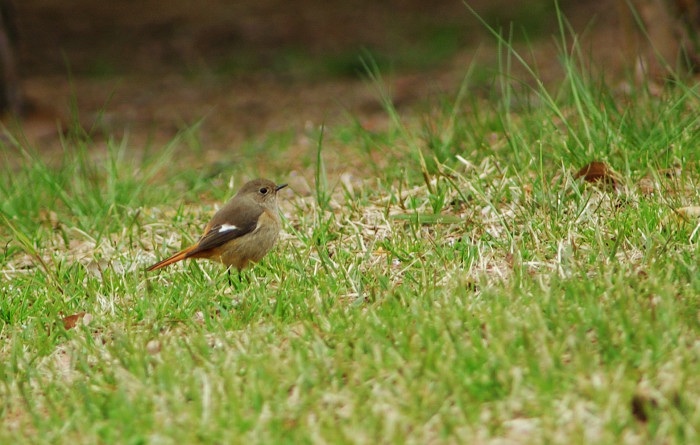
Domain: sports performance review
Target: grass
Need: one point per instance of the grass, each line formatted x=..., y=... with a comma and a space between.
x=457, y=285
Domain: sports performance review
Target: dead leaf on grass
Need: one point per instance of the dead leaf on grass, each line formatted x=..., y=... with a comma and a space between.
x=597, y=171
x=72, y=321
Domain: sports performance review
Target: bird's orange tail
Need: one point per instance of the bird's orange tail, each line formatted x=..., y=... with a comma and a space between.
x=181, y=255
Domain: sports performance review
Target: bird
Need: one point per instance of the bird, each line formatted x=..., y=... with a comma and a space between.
x=241, y=232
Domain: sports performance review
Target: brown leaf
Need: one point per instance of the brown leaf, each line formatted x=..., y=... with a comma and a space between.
x=597, y=171
x=71, y=321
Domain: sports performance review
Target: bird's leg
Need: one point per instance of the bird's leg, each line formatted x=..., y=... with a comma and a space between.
x=230, y=281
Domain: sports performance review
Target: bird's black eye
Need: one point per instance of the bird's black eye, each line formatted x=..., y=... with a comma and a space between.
x=263, y=190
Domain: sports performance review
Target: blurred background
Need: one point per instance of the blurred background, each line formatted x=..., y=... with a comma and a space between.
x=240, y=69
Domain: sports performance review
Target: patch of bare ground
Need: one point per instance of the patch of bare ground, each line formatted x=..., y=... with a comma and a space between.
x=147, y=71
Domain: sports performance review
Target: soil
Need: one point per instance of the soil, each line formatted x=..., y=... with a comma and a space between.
x=244, y=70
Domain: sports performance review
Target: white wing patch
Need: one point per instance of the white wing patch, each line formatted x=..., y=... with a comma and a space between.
x=227, y=228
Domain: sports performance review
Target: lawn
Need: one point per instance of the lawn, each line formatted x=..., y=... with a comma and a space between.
x=446, y=279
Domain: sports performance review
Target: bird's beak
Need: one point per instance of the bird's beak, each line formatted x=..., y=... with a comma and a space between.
x=280, y=187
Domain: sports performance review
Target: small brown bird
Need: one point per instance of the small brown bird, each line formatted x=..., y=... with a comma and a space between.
x=241, y=231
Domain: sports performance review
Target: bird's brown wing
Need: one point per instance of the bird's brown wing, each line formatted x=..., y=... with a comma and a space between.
x=229, y=223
